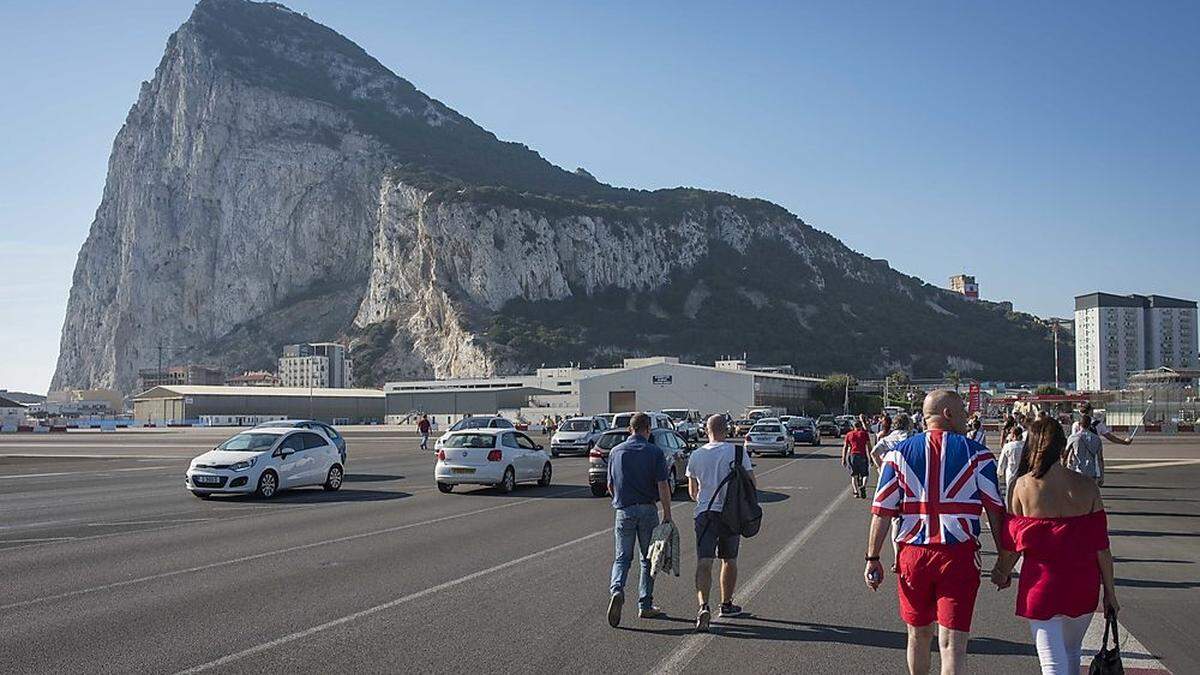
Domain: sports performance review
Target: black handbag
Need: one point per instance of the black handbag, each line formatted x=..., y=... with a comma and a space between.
x=1108, y=661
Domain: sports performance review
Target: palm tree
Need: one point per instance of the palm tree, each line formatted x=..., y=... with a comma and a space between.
x=953, y=377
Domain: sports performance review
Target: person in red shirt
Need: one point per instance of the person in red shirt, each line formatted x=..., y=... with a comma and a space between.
x=1058, y=524
x=423, y=427
x=854, y=458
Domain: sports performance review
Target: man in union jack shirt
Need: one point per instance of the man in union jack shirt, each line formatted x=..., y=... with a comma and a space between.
x=938, y=483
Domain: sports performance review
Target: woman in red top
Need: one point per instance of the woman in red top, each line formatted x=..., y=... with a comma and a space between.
x=1058, y=524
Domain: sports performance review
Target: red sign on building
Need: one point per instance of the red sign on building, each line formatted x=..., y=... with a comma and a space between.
x=974, y=397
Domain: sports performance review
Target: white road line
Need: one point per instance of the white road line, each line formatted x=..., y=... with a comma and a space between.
x=678, y=660
x=265, y=554
x=26, y=541
x=36, y=455
x=82, y=473
x=1151, y=464
x=1134, y=656
x=148, y=522
x=292, y=637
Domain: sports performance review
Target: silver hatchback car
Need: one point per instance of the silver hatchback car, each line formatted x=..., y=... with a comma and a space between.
x=770, y=438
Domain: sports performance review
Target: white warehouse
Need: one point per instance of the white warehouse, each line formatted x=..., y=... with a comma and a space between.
x=654, y=383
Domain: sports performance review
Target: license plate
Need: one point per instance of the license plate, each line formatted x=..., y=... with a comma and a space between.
x=461, y=470
x=206, y=480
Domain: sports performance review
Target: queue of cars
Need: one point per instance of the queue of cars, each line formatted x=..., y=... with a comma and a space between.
x=481, y=450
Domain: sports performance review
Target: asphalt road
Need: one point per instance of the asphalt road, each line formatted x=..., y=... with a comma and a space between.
x=109, y=565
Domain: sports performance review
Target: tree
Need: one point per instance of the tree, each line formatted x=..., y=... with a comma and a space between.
x=1047, y=390
x=953, y=377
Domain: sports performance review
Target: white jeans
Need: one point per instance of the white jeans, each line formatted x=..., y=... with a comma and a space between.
x=1060, y=643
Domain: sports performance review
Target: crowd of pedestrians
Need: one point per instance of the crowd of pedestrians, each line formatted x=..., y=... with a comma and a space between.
x=937, y=482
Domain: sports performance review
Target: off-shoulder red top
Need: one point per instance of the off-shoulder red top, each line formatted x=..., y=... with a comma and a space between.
x=1060, y=574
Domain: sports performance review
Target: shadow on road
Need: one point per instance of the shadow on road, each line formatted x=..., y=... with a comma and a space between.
x=750, y=627
x=1157, y=561
x=370, y=477
x=1156, y=514
x=310, y=496
x=1150, y=583
x=769, y=497
x=1149, y=499
x=549, y=492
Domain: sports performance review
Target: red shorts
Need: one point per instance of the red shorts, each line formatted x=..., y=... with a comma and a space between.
x=938, y=582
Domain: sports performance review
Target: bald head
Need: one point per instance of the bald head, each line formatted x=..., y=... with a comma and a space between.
x=944, y=410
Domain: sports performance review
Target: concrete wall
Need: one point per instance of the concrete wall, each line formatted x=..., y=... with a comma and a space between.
x=356, y=409
x=669, y=385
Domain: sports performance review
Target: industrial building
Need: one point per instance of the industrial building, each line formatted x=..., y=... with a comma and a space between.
x=176, y=375
x=654, y=383
x=192, y=404
x=1119, y=335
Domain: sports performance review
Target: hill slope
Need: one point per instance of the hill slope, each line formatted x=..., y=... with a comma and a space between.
x=274, y=183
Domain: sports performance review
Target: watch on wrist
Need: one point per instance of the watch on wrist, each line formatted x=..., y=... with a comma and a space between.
x=872, y=558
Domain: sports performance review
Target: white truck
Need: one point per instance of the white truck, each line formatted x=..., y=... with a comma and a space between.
x=688, y=423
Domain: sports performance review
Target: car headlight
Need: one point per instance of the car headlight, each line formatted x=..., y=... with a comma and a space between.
x=244, y=464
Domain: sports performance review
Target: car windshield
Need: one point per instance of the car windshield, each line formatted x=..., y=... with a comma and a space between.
x=743, y=422
x=470, y=423
x=800, y=421
x=622, y=421
x=470, y=441
x=766, y=429
x=253, y=442
x=610, y=441
x=826, y=418
x=677, y=414
x=576, y=425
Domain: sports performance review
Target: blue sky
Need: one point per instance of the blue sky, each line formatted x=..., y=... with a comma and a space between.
x=1049, y=148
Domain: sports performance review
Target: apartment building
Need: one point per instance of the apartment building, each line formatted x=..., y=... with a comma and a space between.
x=316, y=364
x=1118, y=335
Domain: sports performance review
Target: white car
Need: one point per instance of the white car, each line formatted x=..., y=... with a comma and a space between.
x=475, y=422
x=265, y=461
x=487, y=456
x=577, y=434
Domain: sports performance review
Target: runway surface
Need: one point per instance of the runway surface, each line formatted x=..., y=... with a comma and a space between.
x=110, y=565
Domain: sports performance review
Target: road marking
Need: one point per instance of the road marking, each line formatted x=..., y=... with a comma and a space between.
x=36, y=455
x=266, y=554
x=82, y=473
x=1153, y=464
x=1134, y=656
x=26, y=541
x=292, y=637
x=678, y=660
x=148, y=522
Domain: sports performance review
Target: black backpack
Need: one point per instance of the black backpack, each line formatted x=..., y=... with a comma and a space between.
x=740, y=513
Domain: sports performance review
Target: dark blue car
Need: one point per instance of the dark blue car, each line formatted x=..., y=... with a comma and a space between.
x=313, y=424
x=804, y=430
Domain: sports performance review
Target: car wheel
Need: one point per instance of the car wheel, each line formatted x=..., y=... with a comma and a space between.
x=554, y=453
x=546, y=473
x=599, y=490
x=333, y=481
x=508, y=482
x=445, y=488
x=268, y=485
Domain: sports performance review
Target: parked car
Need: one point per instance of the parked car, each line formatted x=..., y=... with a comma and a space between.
x=803, y=430
x=770, y=437
x=687, y=422
x=494, y=456
x=828, y=425
x=577, y=434
x=671, y=443
x=657, y=421
x=265, y=461
x=481, y=422
x=741, y=427
x=330, y=433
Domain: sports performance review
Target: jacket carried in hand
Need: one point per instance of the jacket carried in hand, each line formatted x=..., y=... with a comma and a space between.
x=664, y=549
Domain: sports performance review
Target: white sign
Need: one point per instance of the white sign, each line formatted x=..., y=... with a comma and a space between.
x=661, y=380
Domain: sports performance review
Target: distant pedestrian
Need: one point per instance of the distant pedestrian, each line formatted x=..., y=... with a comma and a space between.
x=1098, y=426
x=854, y=458
x=637, y=478
x=424, y=427
x=706, y=471
x=977, y=432
x=1085, y=451
x=1008, y=466
x=938, y=482
x=1060, y=527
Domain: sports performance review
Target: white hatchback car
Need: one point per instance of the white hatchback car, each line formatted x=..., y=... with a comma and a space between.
x=265, y=461
x=499, y=457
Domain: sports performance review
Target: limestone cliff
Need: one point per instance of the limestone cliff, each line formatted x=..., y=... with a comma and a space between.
x=274, y=183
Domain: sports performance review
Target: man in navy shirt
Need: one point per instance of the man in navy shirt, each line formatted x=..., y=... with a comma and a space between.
x=637, y=478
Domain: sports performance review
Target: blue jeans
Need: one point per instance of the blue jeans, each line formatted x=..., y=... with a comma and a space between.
x=634, y=522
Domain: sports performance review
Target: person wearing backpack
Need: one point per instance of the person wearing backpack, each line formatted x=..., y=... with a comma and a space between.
x=709, y=477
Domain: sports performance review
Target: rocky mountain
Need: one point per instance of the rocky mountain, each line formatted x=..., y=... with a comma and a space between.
x=274, y=183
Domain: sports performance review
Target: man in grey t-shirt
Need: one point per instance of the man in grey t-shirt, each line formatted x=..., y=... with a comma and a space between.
x=1085, y=451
